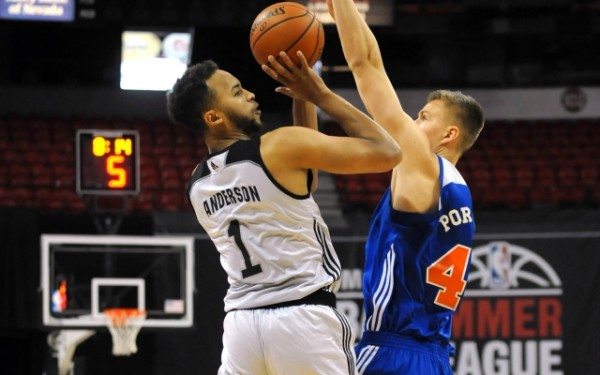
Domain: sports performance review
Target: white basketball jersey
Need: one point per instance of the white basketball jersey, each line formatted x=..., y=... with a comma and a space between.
x=274, y=245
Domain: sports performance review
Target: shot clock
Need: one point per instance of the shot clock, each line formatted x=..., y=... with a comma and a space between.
x=107, y=162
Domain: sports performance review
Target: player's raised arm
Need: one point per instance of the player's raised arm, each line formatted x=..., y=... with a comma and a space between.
x=369, y=148
x=364, y=58
x=305, y=114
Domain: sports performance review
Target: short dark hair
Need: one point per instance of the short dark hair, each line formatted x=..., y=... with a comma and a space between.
x=468, y=112
x=190, y=97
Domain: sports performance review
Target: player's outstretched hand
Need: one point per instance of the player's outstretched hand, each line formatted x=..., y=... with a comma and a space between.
x=299, y=82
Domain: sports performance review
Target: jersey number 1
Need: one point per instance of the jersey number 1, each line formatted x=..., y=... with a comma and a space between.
x=448, y=274
x=251, y=269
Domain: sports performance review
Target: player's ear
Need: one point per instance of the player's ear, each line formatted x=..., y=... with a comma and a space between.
x=212, y=117
x=452, y=133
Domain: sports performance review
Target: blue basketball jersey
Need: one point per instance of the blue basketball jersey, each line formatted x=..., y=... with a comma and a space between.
x=416, y=265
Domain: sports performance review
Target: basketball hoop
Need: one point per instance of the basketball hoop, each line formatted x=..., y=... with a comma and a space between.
x=124, y=325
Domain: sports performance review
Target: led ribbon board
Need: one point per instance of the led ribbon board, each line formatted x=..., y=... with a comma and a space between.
x=38, y=10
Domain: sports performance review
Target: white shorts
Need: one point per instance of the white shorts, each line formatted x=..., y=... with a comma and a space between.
x=295, y=340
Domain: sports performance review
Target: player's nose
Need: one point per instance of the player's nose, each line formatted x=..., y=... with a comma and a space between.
x=250, y=96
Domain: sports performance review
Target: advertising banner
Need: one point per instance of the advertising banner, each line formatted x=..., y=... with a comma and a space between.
x=531, y=306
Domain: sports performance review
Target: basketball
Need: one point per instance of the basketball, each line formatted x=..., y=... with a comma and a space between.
x=288, y=27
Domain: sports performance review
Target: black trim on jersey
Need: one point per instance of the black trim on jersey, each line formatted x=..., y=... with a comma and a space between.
x=271, y=178
x=332, y=268
x=240, y=151
x=309, y=180
x=320, y=297
x=200, y=171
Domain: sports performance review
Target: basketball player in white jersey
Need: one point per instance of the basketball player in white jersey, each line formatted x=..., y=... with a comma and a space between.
x=252, y=195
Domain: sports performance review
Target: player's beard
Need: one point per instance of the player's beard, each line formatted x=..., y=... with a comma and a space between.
x=248, y=125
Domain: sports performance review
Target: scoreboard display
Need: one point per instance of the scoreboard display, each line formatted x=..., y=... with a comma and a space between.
x=107, y=162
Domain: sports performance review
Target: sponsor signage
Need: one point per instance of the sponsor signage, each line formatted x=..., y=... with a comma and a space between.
x=510, y=318
x=531, y=305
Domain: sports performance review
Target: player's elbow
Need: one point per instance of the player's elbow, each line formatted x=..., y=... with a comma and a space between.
x=362, y=57
x=357, y=62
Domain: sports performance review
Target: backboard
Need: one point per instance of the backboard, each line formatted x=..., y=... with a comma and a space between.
x=82, y=275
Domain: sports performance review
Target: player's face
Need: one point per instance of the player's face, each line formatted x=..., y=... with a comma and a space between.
x=434, y=119
x=235, y=102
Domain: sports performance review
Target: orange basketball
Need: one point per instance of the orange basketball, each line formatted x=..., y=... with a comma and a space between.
x=288, y=27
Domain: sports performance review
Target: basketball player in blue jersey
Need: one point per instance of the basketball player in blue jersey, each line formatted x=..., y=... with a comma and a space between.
x=252, y=196
x=418, y=247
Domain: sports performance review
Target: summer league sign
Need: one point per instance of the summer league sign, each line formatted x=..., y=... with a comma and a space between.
x=531, y=307
x=38, y=10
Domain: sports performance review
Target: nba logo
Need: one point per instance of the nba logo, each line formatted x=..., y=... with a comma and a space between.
x=499, y=265
x=59, y=297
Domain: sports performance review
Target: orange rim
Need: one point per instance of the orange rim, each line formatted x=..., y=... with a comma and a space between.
x=119, y=316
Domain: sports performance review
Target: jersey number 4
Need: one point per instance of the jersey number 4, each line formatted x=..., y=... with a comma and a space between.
x=448, y=274
x=251, y=269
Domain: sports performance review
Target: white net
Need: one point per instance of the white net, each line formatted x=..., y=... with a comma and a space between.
x=124, y=326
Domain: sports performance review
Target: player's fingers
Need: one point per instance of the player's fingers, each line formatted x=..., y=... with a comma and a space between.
x=303, y=60
x=288, y=62
x=272, y=73
x=273, y=69
x=285, y=91
x=278, y=67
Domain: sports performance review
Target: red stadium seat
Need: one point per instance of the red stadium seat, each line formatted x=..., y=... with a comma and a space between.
x=44, y=180
x=170, y=200
x=589, y=175
x=567, y=175
x=541, y=195
x=524, y=177
x=23, y=196
x=480, y=177
x=145, y=201
x=7, y=198
x=515, y=198
x=568, y=195
x=44, y=198
x=546, y=176
x=502, y=177
x=21, y=179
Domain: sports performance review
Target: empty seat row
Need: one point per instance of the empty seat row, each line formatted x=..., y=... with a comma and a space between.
x=514, y=164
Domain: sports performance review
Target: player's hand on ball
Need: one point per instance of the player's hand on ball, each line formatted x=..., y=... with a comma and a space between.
x=300, y=82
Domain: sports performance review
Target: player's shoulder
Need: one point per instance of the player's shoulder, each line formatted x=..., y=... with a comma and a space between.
x=419, y=161
x=450, y=174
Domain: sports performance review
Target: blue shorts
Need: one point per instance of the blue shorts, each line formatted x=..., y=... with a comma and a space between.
x=380, y=353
